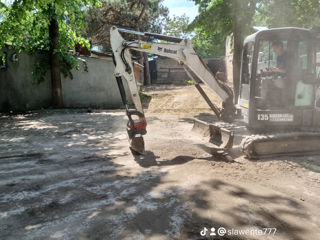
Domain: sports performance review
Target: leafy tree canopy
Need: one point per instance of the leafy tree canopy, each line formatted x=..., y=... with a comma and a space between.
x=284, y=13
x=147, y=15
x=216, y=20
x=208, y=46
x=25, y=25
x=177, y=26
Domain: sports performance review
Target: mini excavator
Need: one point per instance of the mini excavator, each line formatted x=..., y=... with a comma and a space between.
x=279, y=100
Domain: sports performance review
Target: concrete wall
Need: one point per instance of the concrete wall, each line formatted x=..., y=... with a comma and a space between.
x=96, y=88
x=17, y=91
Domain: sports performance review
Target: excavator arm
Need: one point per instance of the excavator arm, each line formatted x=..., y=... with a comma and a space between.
x=178, y=49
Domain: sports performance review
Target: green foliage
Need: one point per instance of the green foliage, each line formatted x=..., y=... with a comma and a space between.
x=25, y=24
x=217, y=18
x=40, y=68
x=190, y=82
x=154, y=16
x=177, y=26
x=143, y=96
x=2, y=57
x=216, y=21
x=124, y=14
x=294, y=13
x=213, y=15
x=208, y=45
x=211, y=27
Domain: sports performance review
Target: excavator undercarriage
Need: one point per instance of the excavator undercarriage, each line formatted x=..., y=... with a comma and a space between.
x=256, y=146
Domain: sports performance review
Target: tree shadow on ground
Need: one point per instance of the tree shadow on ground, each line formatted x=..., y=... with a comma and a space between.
x=162, y=213
x=257, y=211
x=60, y=193
x=149, y=159
x=55, y=169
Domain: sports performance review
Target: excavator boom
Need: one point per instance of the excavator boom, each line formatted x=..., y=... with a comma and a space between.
x=178, y=49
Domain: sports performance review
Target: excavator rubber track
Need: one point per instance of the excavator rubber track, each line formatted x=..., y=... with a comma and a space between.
x=281, y=144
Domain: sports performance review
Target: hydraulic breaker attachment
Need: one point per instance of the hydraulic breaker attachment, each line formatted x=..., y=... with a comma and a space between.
x=136, y=128
x=220, y=137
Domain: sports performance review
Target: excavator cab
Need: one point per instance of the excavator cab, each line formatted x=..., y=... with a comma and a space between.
x=279, y=86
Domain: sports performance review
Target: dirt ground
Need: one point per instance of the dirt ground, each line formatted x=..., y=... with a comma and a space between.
x=68, y=174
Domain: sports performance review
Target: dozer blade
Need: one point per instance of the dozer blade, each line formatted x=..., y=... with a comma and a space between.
x=137, y=145
x=220, y=137
x=282, y=144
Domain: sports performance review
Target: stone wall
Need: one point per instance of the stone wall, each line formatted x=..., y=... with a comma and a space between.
x=17, y=91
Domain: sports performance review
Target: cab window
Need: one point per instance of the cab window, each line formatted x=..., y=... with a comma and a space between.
x=305, y=59
x=247, y=62
x=267, y=57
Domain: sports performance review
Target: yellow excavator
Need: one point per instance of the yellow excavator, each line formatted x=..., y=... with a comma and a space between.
x=279, y=101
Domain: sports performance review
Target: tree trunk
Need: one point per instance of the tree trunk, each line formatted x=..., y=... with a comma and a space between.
x=237, y=42
x=57, y=101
